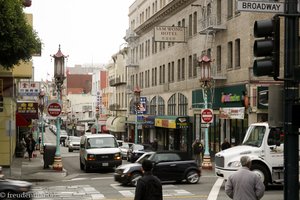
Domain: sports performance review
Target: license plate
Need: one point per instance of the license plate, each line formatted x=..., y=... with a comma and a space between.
x=105, y=164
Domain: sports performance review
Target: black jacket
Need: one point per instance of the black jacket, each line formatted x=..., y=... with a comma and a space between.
x=148, y=188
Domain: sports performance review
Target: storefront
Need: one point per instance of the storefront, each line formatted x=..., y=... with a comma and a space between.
x=230, y=105
x=173, y=133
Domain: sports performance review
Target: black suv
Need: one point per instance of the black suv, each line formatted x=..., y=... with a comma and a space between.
x=167, y=166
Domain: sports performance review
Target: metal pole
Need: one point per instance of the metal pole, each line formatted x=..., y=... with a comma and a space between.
x=206, y=151
x=136, y=129
x=57, y=152
x=291, y=89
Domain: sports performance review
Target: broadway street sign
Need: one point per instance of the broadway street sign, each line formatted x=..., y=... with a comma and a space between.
x=258, y=6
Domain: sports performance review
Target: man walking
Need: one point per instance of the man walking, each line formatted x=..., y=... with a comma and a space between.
x=149, y=186
x=244, y=184
x=197, y=150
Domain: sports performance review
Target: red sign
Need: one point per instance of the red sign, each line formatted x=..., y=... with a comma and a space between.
x=54, y=109
x=207, y=116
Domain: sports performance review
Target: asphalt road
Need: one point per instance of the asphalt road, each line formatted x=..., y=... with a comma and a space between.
x=99, y=184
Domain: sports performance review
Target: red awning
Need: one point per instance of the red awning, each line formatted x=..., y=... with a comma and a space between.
x=21, y=121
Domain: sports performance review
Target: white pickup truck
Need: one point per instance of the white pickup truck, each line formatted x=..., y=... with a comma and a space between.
x=264, y=145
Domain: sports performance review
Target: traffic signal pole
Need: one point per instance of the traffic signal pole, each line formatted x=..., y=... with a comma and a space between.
x=291, y=91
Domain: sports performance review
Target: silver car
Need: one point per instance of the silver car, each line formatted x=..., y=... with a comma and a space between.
x=73, y=143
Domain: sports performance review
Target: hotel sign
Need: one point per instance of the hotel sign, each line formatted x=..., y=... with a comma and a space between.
x=169, y=34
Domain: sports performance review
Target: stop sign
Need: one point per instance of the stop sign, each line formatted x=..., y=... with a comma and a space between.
x=54, y=109
x=207, y=116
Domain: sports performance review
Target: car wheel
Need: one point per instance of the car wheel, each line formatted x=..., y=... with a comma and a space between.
x=70, y=150
x=81, y=165
x=135, y=177
x=86, y=167
x=192, y=177
x=261, y=172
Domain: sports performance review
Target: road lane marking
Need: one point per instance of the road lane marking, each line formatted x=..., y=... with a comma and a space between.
x=214, y=192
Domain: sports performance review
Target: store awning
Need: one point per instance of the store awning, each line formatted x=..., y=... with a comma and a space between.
x=116, y=124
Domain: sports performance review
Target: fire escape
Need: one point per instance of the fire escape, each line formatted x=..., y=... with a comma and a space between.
x=209, y=25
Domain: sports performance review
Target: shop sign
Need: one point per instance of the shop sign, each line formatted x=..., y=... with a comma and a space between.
x=27, y=88
x=232, y=113
x=29, y=110
x=180, y=122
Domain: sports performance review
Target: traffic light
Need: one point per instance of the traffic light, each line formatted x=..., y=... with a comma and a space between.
x=267, y=48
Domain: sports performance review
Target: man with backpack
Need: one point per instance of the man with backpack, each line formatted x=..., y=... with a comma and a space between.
x=149, y=186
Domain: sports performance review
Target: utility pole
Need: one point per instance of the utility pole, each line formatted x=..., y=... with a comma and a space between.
x=291, y=91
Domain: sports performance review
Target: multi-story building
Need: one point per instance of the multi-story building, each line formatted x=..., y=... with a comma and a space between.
x=162, y=65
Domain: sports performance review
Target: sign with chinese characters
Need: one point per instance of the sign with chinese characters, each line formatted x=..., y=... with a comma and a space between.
x=29, y=110
x=28, y=88
x=169, y=34
x=142, y=107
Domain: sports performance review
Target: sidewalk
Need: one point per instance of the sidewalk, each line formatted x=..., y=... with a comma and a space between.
x=23, y=169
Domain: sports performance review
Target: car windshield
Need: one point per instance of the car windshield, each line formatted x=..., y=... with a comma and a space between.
x=75, y=139
x=101, y=142
x=138, y=147
x=256, y=136
x=143, y=157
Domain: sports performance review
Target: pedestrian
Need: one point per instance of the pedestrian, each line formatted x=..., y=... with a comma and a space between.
x=225, y=144
x=197, y=151
x=244, y=184
x=149, y=186
x=30, y=146
x=155, y=145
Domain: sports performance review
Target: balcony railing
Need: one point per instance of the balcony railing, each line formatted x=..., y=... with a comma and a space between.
x=211, y=23
x=116, y=82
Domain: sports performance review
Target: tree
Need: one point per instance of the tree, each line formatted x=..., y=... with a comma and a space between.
x=18, y=40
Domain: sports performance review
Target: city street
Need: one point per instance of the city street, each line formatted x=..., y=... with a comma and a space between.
x=100, y=184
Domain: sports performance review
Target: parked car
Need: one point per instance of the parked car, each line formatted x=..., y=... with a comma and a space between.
x=14, y=187
x=63, y=136
x=167, y=166
x=99, y=151
x=137, y=150
x=124, y=149
x=73, y=143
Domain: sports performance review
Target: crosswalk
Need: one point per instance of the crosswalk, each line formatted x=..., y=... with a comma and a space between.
x=87, y=192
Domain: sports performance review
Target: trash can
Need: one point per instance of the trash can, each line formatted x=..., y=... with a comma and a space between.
x=49, y=154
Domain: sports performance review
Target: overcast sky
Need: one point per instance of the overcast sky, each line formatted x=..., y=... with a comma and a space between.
x=89, y=31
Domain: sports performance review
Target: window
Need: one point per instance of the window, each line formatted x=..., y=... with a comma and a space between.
x=163, y=74
x=169, y=72
x=182, y=105
x=155, y=76
x=229, y=55
x=172, y=105
x=161, y=106
x=219, y=60
x=195, y=64
x=153, y=106
x=190, y=25
x=195, y=23
x=229, y=9
x=190, y=66
x=237, y=53
x=178, y=70
x=183, y=69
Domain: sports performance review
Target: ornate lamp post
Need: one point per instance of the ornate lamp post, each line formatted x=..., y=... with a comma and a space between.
x=41, y=108
x=206, y=83
x=137, y=94
x=59, y=75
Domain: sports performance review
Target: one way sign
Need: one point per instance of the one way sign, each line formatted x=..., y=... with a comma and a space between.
x=257, y=6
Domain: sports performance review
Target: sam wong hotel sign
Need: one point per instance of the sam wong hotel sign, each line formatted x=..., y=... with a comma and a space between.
x=169, y=34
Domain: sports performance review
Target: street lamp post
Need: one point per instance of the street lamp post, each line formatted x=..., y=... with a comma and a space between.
x=206, y=83
x=59, y=75
x=41, y=107
x=137, y=94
